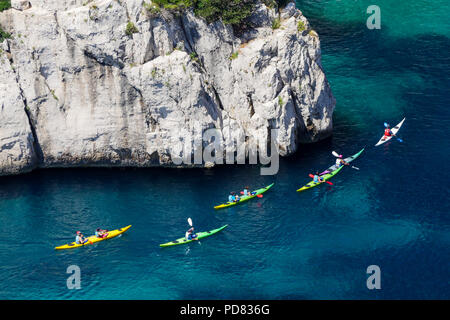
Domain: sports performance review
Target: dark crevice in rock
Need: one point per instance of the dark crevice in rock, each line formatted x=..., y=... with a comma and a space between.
x=191, y=48
x=297, y=115
x=36, y=146
x=151, y=46
x=149, y=120
x=294, y=101
x=55, y=15
x=217, y=97
x=188, y=45
x=37, y=151
x=106, y=61
x=250, y=103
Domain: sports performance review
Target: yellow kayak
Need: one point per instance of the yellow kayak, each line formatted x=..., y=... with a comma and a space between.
x=94, y=239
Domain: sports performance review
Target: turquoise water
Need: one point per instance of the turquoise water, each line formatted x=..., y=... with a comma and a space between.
x=393, y=212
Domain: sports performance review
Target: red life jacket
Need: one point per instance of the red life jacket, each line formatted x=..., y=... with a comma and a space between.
x=387, y=132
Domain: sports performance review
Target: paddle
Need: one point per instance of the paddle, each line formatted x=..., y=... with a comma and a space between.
x=334, y=153
x=312, y=176
x=399, y=140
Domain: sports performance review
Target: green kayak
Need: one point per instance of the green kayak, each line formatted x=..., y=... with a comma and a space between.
x=244, y=198
x=325, y=177
x=330, y=172
x=200, y=235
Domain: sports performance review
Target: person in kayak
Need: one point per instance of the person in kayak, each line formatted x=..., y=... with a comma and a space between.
x=190, y=235
x=317, y=178
x=80, y=239
x=340, y=162
x=247, y=192
x=388, y=132
x=100, y=233
x=233, y=197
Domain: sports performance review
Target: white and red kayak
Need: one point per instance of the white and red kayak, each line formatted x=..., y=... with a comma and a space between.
x=394, y=131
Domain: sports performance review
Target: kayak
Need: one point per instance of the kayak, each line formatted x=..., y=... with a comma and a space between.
x=325, y=177
x=244, y=198
x=348, y=160
x=94, y=239
x=394, y=131
x=200, y=235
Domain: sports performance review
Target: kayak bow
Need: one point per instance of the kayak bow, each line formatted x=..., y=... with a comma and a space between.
x=244, y=198
x=200, y=235
x=94, y=239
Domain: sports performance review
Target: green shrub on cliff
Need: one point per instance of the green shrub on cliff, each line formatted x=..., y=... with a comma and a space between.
x=300, y=26
x=4, y=35
x=232, y=12
x=5, y=4
x=131, y=28
x=276, y=23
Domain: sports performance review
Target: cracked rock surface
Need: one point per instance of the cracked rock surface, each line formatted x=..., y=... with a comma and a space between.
x=77, y=90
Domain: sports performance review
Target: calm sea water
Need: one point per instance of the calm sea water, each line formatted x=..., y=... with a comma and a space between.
x=393, y=212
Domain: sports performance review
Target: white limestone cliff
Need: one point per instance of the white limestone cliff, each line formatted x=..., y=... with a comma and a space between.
x=77, y=90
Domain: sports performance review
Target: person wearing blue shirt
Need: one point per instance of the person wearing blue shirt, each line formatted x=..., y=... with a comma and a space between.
x=317, y=178
x=233, y=197
x=80, y=239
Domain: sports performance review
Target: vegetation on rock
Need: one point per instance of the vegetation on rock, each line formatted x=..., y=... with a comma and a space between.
x=5, y=4
x=232, y=12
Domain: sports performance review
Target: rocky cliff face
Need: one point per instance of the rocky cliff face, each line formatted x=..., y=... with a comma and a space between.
x=78, y=90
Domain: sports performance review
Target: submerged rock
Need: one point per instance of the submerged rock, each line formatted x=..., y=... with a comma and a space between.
x=108, y=82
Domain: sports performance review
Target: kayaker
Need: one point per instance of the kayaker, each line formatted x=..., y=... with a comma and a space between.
x=247, y=192
x=340, y=161
x=388, y=132
x=80, y=239
x=231, y=198
x=190, y=235
x=317, y=178
x=100, y=233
